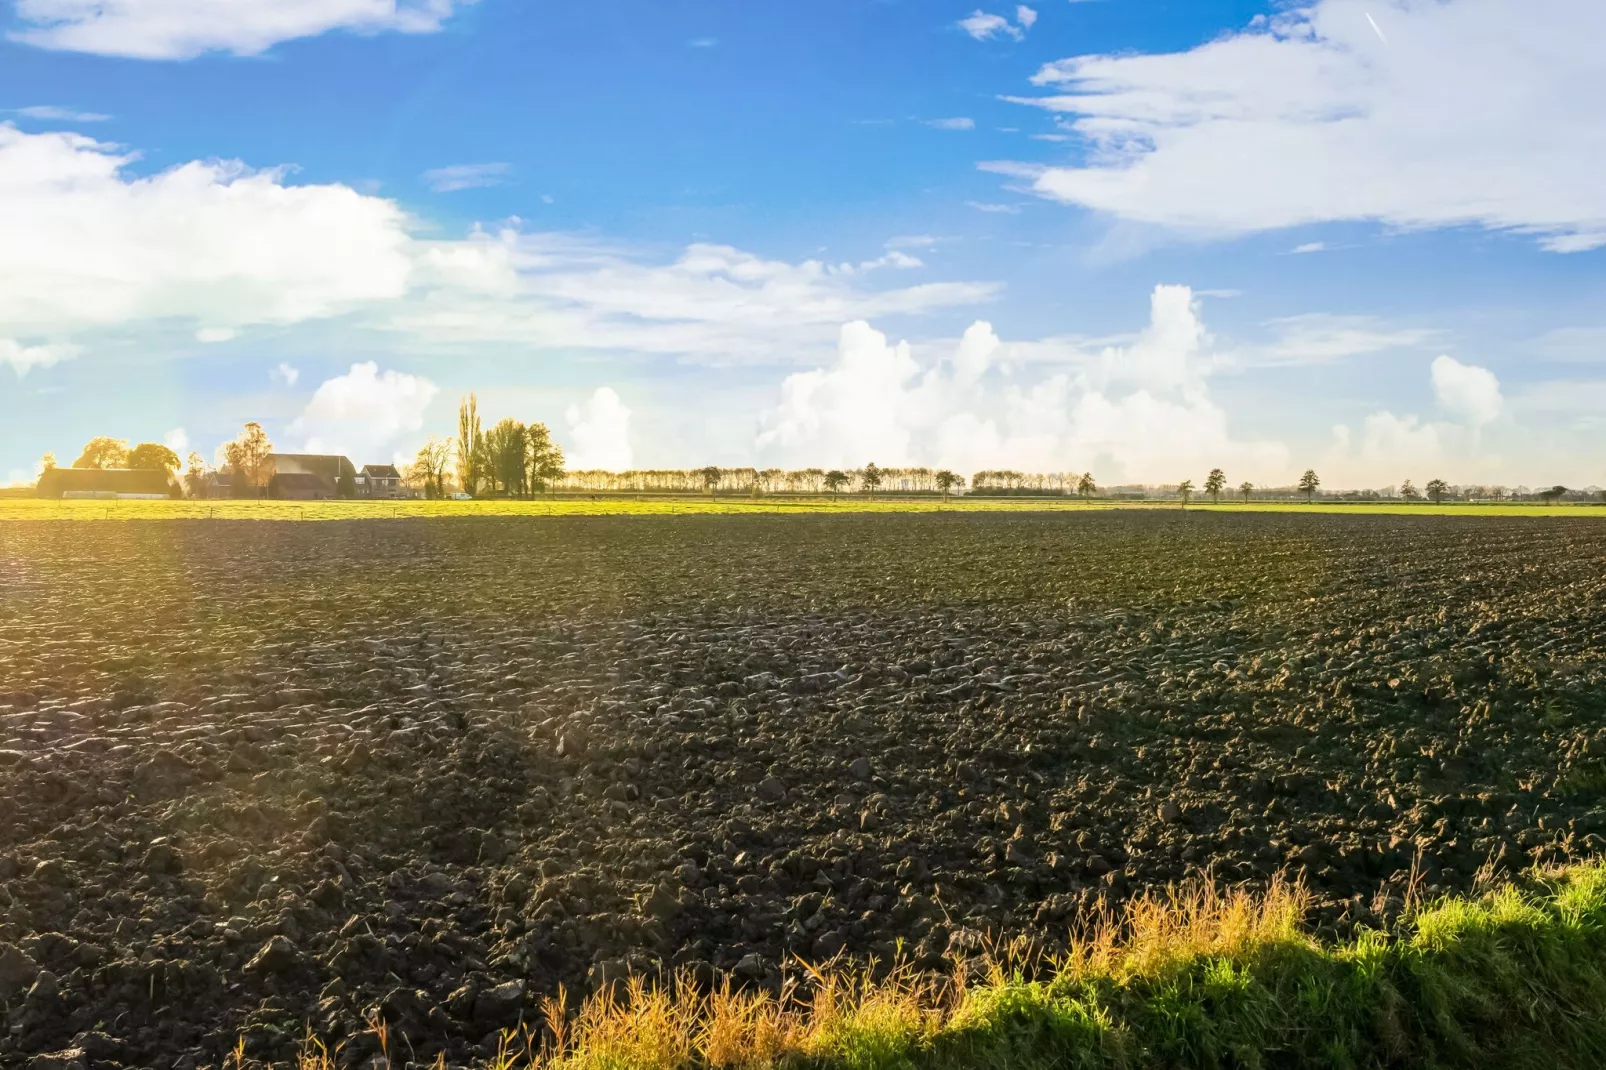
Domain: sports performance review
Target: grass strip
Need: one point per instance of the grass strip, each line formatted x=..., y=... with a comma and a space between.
x=1514, y=977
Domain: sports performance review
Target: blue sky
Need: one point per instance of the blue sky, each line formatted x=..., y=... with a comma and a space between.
x=1135, y=237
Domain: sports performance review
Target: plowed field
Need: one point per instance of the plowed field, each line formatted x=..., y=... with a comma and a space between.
x=260, y=776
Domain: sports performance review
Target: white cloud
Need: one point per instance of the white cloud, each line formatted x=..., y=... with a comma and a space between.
x=599, y=433
x=285, y=373
x=182, y=29
x=1572, y=345
x=713, y=303
x=89, y=248
x=703, y=42
x=84, y=244
x=466, y=176
x=958, y=123
x=995, y=209
x=983, y=27
x=1322, y=338
x=363, y=413
x=1467, y=391
x=177, y=440
x=52, y=113
x=1140, y=411
x=23, y=358
x=1335, y=120
x=1025, y=17
x=1309, y=247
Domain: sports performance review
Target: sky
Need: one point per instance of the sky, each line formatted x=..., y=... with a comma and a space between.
x=1132, y=237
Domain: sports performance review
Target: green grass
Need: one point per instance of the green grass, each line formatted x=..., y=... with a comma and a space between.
x=604, y=505
x=1514, y=978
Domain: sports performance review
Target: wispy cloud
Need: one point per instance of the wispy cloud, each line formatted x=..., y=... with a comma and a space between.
x=184, y=29
x=52, y=113
x=957, y=123
x=995, y=209
x=703, y=42
x=985, y=27
x=466, y=176
x=1309, y=247
x=1333, y=117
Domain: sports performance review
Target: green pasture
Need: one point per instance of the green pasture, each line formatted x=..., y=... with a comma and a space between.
x=659, y=505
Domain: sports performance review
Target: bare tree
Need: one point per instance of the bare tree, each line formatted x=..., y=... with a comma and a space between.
x=430, y=466
x=195, y=477
x=470, y=457
x=248, y=458
x=1185, y=491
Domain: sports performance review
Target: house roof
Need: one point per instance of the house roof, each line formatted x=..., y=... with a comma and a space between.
x=385, y=471
x=59, y=481
x=330, y=466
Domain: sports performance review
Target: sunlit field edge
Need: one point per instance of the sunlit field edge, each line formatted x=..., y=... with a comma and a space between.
x=653, y=505
x=1511, y=977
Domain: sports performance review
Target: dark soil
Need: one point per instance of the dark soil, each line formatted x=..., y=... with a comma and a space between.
x=257, y=776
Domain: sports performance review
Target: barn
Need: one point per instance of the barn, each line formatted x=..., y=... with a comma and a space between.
x=108, y=484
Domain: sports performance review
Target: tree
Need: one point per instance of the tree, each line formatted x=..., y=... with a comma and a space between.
x=870, y=478
x=1185, y=491
x=1409, y=492
x=469, y=454
x=195, y=477
x=47, y=463
x=948, y=482
x=247, y=456
x=1246, y=488
x=710, y=478
x=1215, y=483
x=429, y=467
x=1308, y=483
x=544, y=457
x=1437, y=489
x=835, y=480
x=153, y=456
x=505, y=457
x=1085, y=486
x=1553, y=494
x=103, y=452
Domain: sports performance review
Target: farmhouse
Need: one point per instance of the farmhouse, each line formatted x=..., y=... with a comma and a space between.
x=107, y=483
x=379, y=481
x=310, y=476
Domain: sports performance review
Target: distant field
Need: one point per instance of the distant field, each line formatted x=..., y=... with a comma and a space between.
x=619, y=505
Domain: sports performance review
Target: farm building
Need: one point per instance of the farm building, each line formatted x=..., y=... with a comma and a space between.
x=109, y=483
x=379, y=481
x=332, y=468
x=300, y=487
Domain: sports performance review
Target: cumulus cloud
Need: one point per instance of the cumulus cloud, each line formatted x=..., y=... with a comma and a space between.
x=182, y=29
x=24, y=358
x=285, y=373
x=85, y=244
x=466, y=176
x=1334, y=117
x=1025, y=17
x=599, y=433
x=1392, y=447
x=1467, y=391
x=364, y=413
x=1139, y=411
